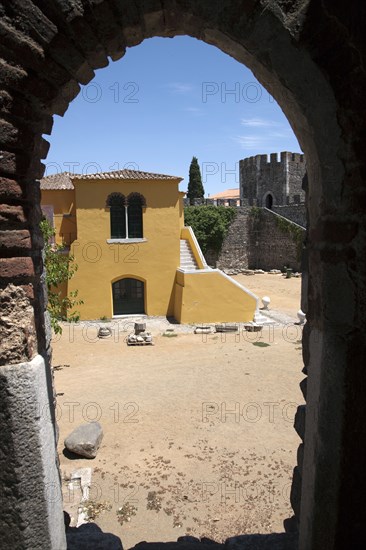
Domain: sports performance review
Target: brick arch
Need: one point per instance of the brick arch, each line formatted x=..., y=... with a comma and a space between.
x=295, y=50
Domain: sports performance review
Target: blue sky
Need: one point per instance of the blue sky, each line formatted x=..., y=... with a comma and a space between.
x=164, y=102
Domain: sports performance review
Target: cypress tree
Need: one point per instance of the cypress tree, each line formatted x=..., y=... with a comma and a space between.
x=195, y=186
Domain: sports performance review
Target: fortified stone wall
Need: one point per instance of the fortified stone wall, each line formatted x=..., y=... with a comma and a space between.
x=236, y=246
x=281, y=177
x=259, y=239
x=294, y=212
x=274, y=241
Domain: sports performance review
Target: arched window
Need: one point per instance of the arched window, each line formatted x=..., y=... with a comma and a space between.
x=126, y=215
x=135, y=204
x=117, y=203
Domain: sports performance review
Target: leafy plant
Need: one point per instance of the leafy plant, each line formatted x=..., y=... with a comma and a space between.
x=60, y=267
x=255, y=212
x=210, y=224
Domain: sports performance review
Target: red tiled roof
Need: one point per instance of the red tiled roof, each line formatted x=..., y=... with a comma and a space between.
x=57, y=181
x=227, y=194
x=125, y=175
x=65, y=179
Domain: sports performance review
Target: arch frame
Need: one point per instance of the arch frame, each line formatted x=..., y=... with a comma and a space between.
x=49, y=53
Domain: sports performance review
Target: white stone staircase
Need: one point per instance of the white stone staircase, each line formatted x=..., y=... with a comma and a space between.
x=187, y=260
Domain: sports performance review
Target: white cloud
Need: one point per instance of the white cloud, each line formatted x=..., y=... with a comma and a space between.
x=249, y=142
x=258, y=122
x=269, y=137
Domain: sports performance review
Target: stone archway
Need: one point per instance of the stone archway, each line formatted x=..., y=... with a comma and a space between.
x=296, y=50
x=268, y=200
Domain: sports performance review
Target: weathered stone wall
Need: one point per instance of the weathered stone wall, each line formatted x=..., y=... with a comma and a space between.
x=281, y=177
x=272, y=244
x=236, y=246
x=294, y=212
x=256, y=240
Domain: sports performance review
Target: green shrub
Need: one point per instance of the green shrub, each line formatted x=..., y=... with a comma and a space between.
x=210, y=224
x=60, y=267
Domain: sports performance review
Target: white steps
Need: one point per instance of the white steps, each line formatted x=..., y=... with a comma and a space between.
x=187, y=260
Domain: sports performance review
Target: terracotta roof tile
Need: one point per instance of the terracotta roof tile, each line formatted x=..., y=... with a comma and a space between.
x=227, y=194
x=57, y=181
x=125, y=175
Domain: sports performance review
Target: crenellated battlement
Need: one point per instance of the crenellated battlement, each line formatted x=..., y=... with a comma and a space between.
x=274, y=179
x=273, y=158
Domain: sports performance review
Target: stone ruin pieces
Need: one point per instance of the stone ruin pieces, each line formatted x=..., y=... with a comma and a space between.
x=140, y=337
x=226, y=327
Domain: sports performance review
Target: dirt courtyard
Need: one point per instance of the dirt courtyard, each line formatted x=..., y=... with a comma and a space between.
x=198, y=429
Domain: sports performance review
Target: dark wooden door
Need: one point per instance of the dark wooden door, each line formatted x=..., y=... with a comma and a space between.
x=128, y=297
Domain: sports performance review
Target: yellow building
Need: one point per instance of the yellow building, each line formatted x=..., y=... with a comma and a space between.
x=126, y=232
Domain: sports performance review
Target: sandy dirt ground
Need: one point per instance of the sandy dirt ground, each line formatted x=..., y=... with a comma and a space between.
x=198, y=429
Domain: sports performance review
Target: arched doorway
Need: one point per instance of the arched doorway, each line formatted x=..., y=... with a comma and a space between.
x=269, y=201
x=128, y=296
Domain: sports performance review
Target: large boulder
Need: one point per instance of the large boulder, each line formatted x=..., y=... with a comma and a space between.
x=85, y=440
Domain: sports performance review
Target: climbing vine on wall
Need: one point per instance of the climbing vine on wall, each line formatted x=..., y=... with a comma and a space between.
x=294, y=230
x=210, y=224
x=255, y=212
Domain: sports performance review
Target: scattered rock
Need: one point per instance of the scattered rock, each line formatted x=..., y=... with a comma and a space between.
x=140, y=327
x=226, y=327
x=104, y=332
x=140, y=336
x=253, y=327
x=203, y=329
x=85, y=440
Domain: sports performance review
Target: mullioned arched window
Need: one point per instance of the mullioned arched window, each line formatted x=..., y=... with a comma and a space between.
x=126, y=215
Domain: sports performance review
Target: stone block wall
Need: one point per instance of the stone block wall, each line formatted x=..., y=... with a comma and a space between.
x=235, y=250
x=294, y=212
x=259, y=239
x=281, y=177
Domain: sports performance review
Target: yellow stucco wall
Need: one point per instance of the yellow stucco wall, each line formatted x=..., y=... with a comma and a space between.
x=206, y=296
x=63, y=202
x=153, y=261
x=211, y=297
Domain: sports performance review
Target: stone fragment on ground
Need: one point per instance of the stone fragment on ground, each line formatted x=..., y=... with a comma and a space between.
x=85, y=440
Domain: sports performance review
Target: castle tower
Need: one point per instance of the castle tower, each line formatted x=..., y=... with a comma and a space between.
x=272, y=181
